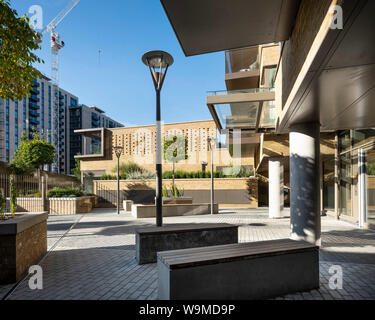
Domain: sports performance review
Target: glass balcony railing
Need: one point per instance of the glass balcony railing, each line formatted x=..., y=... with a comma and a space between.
x=240, y=60
x=34, y=98
x=252, y=90
x=253, y=113
x=34, y=113
x=33, y=105
x=33, y=121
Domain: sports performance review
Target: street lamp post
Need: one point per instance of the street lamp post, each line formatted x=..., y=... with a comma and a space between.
x=212, y=143
x=158, y=63
x=118, y=151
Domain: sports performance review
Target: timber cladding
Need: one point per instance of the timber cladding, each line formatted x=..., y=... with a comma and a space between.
x=228, y=191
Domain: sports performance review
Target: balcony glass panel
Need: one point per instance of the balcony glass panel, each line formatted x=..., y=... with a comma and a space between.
x=241, y=60
x=244, y=115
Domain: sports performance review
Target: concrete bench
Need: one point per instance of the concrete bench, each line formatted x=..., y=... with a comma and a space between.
x=151, y=240
x=255, y=270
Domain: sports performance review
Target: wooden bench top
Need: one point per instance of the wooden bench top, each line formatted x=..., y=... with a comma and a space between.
x=232, y=252
x=176, y=228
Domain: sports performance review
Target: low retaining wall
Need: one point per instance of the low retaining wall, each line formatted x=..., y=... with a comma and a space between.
x=173, y=210
x=71, y=205
x=23, y=242
x=228, y=191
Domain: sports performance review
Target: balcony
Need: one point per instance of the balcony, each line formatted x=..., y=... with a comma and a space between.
x=36, y=84
x=34, y=113
x=33, y=98
x=34, y=91
x=242, y=68
x=34, y=106
x=251, y=109
x=33, y=121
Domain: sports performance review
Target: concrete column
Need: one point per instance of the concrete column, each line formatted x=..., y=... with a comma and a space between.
x=275, y=188
x=305, y=182
x=362, y=188
x=337, y=179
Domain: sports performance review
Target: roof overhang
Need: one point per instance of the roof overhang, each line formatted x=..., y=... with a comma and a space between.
x=336, y=85
x=204, y=26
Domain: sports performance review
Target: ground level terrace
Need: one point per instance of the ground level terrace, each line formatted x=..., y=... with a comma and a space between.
x=92, y=256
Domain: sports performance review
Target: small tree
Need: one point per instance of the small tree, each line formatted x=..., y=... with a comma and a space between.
x=13, y=194
x=175, y=150
x=77, y=168
x=17, y=41
x=32, y=154
x=1, y=203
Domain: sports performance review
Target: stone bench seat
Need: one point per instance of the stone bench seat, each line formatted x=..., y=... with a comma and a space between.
x=254, y=270
x=151, y=240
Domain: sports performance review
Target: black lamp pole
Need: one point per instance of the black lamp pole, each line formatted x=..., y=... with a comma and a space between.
x=118, y=151
x=158, y=63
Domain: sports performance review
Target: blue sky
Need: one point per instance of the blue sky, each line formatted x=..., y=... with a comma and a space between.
x=120, y=84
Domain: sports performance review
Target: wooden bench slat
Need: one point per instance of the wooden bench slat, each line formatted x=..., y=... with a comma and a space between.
x=223, y=249
x=209, y=255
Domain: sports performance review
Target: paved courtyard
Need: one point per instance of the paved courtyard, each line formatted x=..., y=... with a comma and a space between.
x=92, y=256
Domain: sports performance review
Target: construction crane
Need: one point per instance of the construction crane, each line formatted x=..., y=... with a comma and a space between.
x=56, y=45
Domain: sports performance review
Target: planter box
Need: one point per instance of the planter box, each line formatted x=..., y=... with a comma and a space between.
x=71, y=205
x=150, y=240
x=173, y=210
x=23, y=242
x=180, y=200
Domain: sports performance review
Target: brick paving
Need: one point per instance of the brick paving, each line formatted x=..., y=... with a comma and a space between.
x=92, y=256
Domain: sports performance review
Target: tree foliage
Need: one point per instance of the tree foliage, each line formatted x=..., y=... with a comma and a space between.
x=31, y=154
x=77, y=168
x=17, y=41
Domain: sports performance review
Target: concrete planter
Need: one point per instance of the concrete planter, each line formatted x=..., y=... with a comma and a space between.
x=173, y=210
x=180, y=200
x=71, y=205
x=23, y=242
x=127, y=205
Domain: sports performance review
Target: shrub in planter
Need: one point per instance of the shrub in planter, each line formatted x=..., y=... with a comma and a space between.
x=65, y=193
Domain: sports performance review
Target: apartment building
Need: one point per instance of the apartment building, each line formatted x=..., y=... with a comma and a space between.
x=324, y=84
x=34, y=114
x=81, y=117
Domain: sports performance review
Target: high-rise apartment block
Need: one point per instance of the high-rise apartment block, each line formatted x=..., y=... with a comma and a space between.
x=34, y=115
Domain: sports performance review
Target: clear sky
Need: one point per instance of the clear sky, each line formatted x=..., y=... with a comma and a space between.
x=120, y=84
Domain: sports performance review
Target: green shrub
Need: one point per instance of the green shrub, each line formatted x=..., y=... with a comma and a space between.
x=165, y=192
x=175, y=192
x=13, y=195
x=1, y=203
x=140, y=175
x=371, y=169
x=108, y=177
x=126, y=168
x=65, y=193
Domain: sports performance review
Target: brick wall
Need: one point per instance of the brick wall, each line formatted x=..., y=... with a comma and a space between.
x=18, y=252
